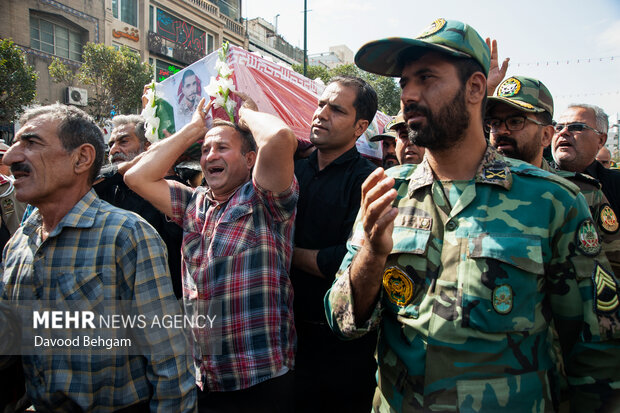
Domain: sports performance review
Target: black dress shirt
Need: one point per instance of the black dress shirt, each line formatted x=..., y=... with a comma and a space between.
x=610, y=182
x=328, y=204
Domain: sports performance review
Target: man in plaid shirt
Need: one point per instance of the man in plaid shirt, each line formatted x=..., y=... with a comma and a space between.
x=237, y=247
x=79, y=251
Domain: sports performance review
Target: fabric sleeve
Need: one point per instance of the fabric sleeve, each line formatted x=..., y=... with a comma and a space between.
x=169, y=367
x=339, y=305
x=283, y=205
x=180, y=196
x=583, y=294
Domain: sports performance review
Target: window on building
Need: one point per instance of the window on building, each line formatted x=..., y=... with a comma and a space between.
x=126, y=11
x=55, y=39
x=151, y=18
x=209, y=43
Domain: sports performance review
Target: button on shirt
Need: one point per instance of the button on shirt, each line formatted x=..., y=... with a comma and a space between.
x=238, y=254
x=97, y=253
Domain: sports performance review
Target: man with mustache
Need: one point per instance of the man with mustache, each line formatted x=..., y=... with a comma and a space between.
x=388, y=146
x=464, y=260
x=77, y=252
x=519, y=120
x=330, y=375
x=127, y=141
x=237, y=248
x=581, y=131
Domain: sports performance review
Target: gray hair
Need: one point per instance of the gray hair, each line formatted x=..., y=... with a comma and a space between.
x=602, y=120
x=137, y=120
x=75, y=128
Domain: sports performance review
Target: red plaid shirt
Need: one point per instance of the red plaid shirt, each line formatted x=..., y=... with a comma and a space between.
x=236, y=262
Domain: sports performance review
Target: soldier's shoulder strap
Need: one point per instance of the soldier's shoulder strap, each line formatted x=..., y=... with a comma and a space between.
x=526, y=169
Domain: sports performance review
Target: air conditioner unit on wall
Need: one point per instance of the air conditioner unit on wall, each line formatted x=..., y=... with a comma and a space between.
x=76, y=96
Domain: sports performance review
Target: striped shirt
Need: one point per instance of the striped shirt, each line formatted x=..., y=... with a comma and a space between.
x=98, y=253
x=238, y=254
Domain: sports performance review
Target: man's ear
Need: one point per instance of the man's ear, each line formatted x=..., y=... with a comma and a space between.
x=83, y=158
x=360, y=127
x=602, y=139
x=547, y=135
x=146, y=144
x=476, y=88
x=250, y=158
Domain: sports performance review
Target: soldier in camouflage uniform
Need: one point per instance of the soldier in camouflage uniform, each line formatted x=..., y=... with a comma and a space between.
x=519, y=119
x=464, y=260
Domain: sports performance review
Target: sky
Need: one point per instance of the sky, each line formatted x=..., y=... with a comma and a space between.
x=568, y=45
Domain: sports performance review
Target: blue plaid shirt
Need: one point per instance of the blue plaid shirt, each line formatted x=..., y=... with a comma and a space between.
x=98, y=252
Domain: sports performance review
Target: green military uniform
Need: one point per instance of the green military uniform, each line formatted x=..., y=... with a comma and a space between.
x=606, y=221
x=478, y=271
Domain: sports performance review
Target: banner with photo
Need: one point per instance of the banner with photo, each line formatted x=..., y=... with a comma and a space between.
x=275, y=89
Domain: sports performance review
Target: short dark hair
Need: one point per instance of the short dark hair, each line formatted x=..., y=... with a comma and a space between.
x=187, y=73
x=366, y=102
x=248, y=144
x=465, y=67
x=137, y=120
x=75, y=128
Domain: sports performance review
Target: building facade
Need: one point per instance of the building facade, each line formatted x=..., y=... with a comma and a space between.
x=337, y=55
x=264, y=39
x=169, y=34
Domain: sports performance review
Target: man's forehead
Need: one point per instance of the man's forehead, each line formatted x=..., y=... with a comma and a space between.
x=577, y=114
x=338, y=93
x=122, y=130
x=220, y=134
x=39, y=124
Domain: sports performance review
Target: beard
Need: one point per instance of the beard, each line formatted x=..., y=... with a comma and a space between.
x=526, y=152
x=121, y=157
x=444, y=129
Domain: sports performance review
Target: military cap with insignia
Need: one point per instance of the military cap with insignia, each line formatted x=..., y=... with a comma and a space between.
x=446, y=36
x=389, y=131
x=524, y=93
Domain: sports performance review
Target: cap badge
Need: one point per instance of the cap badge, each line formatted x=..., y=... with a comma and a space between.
x=509, y=87
x=433, y=28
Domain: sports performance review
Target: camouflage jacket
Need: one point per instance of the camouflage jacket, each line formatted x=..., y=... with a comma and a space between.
x=469, y=292
x=604, y=216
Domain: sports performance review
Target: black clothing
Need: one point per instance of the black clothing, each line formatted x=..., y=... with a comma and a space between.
x=610, y=182
x=330, y=374
x=326, y=210
x=114, y=190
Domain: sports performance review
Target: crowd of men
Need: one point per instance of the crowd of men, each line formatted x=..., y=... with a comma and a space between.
x=469, y=273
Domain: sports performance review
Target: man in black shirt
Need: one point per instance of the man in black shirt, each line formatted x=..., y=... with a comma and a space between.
x=581, y=131
x=127, y=141
x=331, y=375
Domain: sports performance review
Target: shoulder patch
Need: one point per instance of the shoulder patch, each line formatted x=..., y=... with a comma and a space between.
x=587, y=239
x=607, y=219
x=606, y=299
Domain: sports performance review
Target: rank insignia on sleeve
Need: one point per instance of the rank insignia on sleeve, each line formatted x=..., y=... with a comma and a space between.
x=502, y=299
x=587, y=238
x=606, y=299
x=608, y=220
x=398, y=286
